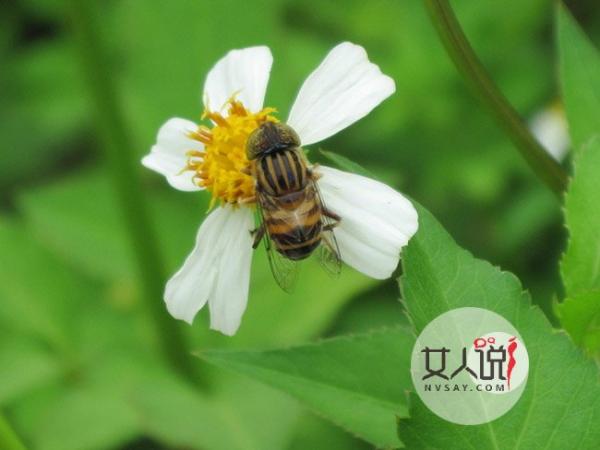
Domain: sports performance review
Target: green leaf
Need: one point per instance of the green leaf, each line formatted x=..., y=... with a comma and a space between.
x=518, y=223
x=346, y=164
x=580, y=78
x=580, y=266
x=315, y=432
x=358, y=382
x=580, y=316
x=559, y=407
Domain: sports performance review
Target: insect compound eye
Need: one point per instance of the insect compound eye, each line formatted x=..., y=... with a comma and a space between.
x=287, y=135
x=254, y=144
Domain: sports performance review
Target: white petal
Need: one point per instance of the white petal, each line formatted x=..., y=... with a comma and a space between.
x=221, y=256
x=188, y=290
x=342, y=90
x=168, y=155
x=228, y=300
x=376, y=221
x=242, y=72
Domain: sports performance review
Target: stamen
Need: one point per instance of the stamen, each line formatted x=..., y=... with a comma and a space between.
x=222, y=167
x=218, y=119
x=238, y=109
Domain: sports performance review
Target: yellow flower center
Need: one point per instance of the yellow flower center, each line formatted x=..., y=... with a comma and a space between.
x=222, y=167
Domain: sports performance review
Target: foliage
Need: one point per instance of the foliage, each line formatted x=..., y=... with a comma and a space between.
x=580, y=266
x=559, y=404
x=348, y=380
x=80, y=366
x=438, y=276
x=580, y=312
x=580, y=77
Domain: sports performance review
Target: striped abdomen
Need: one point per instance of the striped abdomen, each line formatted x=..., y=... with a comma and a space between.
x=281, y=172
x=293, y=221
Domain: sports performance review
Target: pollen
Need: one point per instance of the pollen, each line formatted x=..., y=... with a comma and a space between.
x=222, y=166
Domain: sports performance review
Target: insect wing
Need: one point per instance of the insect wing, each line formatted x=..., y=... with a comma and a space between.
x=328, y=258
x=284, y=270
x=328, y=253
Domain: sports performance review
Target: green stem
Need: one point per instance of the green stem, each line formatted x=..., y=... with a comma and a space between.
x=474, y=73
x=124, y=170
x=8, y=438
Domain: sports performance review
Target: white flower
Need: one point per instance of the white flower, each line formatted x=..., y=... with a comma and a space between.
x=376, y=220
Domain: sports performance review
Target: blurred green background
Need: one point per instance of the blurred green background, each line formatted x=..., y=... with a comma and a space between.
x=79, y=361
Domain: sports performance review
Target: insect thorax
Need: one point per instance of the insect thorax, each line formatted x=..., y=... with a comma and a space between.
x=281, y=172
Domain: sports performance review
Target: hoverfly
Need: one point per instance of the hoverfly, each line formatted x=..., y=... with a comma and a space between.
x=294, y=221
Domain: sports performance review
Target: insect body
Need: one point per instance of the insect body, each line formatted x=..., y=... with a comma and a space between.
x=293, y=215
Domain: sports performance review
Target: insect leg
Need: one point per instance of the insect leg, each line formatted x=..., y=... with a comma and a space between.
x=332, y=215
x=258, y=234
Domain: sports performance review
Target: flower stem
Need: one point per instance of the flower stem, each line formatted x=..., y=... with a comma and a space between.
x=8, y=438
x=123, y=167
x=475, y=74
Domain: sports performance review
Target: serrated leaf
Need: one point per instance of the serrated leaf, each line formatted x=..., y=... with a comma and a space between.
x=580, y=78
x=559, y=406
x=315, y=432
x=580, y=266
x=580, y=316
x=358, y=382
